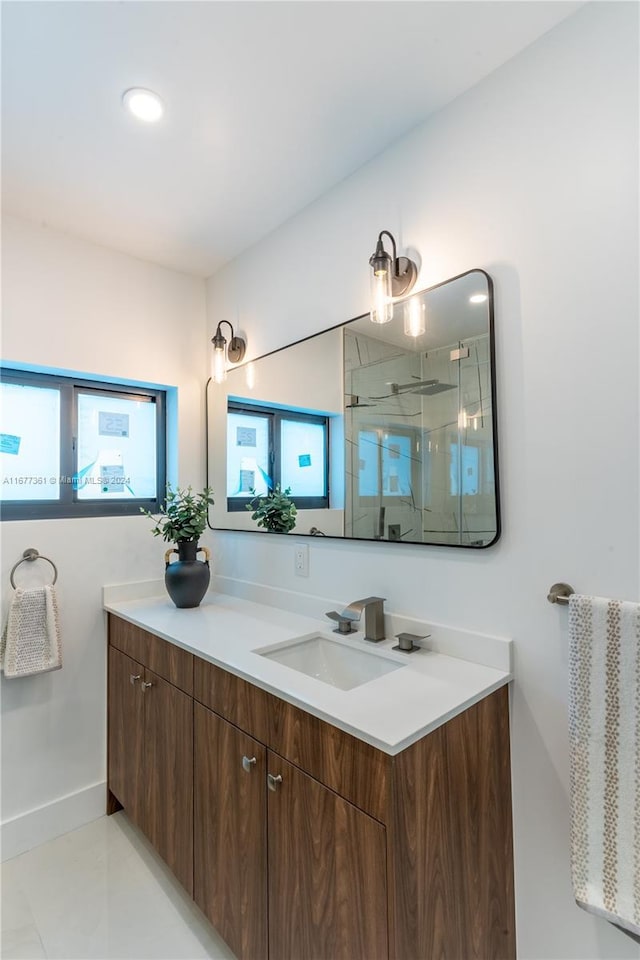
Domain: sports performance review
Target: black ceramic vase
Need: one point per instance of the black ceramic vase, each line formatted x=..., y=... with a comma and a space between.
x=187, y=578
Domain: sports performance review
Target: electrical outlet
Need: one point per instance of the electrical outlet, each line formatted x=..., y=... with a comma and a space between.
x=301, y=560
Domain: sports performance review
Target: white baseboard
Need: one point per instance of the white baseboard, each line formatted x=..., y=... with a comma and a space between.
x=51, y=820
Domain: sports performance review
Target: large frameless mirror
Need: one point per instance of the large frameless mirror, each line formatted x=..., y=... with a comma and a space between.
x=380, y=431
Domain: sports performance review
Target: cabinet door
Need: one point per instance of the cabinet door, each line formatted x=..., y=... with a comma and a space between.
x=126, y=733
x=168, y=806
x=327, y=873
x=230, y=840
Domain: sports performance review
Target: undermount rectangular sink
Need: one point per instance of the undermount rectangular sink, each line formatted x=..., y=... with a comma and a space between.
x=330, y=661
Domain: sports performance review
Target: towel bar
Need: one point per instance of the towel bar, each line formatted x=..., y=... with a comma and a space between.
x=31, y=554
x=560, y=593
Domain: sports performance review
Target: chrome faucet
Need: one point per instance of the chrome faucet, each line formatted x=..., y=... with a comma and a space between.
x=373, y=618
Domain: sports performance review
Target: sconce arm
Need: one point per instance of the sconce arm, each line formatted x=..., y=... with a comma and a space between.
x=218, y=335
x=386, y=233
x=404, y=272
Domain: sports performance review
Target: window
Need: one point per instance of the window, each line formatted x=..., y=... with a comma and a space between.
x=79, y=448
x=267, y=446
x=387, y=463
x=464, y=463
x=474, y=464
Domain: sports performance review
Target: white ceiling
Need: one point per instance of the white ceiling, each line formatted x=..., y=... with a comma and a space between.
x=269, y=104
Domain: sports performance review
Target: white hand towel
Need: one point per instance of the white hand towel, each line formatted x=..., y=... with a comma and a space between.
x=31, y=639
x=604, y=737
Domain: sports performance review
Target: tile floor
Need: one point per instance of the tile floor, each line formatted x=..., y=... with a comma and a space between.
x=100, y=892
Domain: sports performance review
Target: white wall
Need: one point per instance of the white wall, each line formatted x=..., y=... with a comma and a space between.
x=71, y=304
x=532, y=175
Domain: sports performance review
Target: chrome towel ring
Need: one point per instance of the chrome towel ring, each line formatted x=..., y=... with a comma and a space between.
x=30, y=555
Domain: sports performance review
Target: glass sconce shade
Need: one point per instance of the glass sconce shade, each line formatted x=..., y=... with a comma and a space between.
x=219, y=363
x=392, y=276
x=381, y=296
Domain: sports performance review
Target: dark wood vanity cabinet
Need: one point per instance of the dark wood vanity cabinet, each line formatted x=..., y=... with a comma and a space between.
x=230, y=833
x=126, y=733
x=327, y=872
x=168, y=775
x=301, y=842
x=150, y=755
x=324, y=891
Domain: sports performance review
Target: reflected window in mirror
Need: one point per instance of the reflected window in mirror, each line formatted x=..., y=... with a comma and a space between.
x=276, y=446
x=386, y=463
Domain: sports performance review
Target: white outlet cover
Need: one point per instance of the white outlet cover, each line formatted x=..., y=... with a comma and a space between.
x=301, y=560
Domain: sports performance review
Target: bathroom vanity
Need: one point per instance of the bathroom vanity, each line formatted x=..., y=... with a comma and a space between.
x=310, y=822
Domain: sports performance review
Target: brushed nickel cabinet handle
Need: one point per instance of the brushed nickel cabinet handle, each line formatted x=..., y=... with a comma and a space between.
x=145, y=686
x=272, y=782
x=133, y=678
x=248, y=763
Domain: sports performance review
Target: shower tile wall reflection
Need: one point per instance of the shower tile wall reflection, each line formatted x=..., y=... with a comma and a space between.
x=419, y=427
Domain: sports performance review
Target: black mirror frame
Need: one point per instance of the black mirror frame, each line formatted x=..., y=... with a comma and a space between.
x=494, y=420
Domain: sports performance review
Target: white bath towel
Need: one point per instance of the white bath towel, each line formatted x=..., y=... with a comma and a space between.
x=31, y=639
x=604, y=735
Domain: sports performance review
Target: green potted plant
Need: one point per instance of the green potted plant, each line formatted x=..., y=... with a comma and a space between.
x=275, y=511
x=181, y=521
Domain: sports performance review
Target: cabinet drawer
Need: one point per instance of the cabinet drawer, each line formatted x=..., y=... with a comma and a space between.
x=170, y=662
x=234, y=699
x=355, y=770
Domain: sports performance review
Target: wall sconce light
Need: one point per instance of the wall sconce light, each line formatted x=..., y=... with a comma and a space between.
x=221, y=353
x=414, y=317
x=392, y=276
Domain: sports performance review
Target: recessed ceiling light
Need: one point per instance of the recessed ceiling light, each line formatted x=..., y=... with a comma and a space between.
x=143, y=104
x=478, y=298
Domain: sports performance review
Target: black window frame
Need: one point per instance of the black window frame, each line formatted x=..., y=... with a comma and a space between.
x=275, y=416
x=68, y=505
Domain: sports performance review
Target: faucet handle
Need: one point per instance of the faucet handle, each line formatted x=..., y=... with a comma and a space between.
x=344, y=621
x=406, y=642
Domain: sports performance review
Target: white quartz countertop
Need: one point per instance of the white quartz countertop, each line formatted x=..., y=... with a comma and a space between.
x=390, y=712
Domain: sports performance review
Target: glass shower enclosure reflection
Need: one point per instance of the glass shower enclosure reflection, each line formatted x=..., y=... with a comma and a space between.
x=419, y=436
